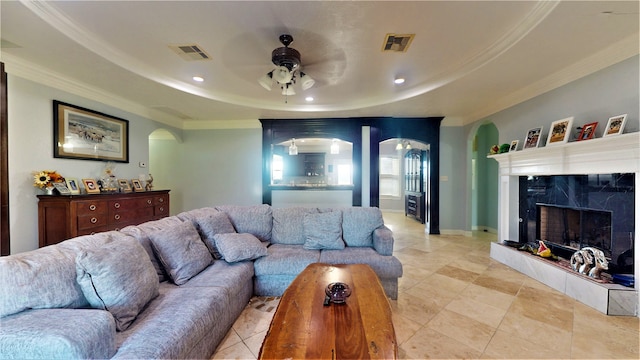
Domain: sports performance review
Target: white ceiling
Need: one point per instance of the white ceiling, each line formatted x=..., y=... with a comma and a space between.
x=468, y=59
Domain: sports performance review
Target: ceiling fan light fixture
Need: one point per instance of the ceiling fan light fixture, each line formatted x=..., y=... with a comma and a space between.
x=282, y=75
x=265, y=80
x=288, y=90
x=306, y=81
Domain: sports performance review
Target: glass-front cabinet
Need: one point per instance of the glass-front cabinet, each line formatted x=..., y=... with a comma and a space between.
x=414, y=176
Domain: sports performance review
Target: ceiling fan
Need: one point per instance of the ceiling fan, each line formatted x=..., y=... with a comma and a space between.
x=287, y=70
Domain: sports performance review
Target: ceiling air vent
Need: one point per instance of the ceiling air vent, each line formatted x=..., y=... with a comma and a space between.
x=397, y=42
x=190, y=52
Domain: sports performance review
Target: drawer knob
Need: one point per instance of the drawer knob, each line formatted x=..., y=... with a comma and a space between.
x=161, y=209
x=117, y=217
x=94, y=220
x=116, y=205
x=92, y=207
x=161, y=200
x=149, y=201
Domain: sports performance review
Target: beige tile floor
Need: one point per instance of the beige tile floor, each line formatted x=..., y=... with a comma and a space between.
x=455, y=302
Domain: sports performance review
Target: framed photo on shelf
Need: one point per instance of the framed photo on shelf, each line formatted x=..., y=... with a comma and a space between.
x=588, y=131
x=62, y=188
x=514, y=145
x=137, y=185
x=532, y=140
x=90, y=186
x=615, y=125
x=84, y=134
x=560, y=131
x=73, y=185
x=124, y=185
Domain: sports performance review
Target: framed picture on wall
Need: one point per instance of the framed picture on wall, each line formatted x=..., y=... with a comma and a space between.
x=90, y=186
x=532, y=140
x=84, y=134
x=588, y=131
x=73, y=185
x=615, y=125
x=560, y=131
x=514, y=145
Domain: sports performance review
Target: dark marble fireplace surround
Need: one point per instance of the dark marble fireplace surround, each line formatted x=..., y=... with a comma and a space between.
x=580, y=207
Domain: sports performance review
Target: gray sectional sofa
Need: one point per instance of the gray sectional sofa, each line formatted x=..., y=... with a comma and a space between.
x=172, y=288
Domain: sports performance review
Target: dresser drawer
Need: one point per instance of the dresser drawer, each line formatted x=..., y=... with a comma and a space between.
x=91, y=221
x=128, y=216
x=161, y=200
x=92, y=207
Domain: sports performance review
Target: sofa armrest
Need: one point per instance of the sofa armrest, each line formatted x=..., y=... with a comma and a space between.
x=58, y=334
x=383, y=240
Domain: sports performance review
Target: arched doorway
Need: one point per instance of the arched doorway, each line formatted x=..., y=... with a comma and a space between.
x=165, y=156
x=484, y=180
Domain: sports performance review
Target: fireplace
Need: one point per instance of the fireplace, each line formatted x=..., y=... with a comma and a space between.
x=568, y=229
x=590, y=185
x=570, y=212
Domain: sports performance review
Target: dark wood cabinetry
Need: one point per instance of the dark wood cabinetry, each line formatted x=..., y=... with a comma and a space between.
x=415, y=184
x=64, y=217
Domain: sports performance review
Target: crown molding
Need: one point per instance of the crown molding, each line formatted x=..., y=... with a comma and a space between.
x=38, y=74
x=221, y=124
x=609, y=56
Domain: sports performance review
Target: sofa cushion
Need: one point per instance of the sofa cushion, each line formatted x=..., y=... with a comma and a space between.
x=288, y=227
x=209, y=222
x=176, y=322
x=46, y=277
x=117, y=277
x=180, y=251
x=285, y=260
x=58, y=334
x=383, y=266
x=143, y=238
x=323, y=231
x=239, y=247
x=358, y=224
x=255, y=219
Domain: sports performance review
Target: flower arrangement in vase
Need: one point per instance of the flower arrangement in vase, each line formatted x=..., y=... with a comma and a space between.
x=44, y=180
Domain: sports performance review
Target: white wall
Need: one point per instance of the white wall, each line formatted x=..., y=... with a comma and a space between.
x=30, y=113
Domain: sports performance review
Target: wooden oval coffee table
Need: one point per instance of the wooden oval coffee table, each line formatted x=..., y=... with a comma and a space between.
x=304, y=328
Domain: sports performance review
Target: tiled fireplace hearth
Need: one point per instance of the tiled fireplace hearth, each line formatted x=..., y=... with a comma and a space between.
x=609, y=155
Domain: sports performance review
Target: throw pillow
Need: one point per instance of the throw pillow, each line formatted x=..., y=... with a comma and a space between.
x=239, y=247
x=288, y=225
x=210, y=222
x=358, y=224
x=253, y=219
x=117, y=277
x=323, y=231
x=180, y=251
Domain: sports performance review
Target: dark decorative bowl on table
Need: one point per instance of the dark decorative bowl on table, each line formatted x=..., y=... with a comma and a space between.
x=338, y=292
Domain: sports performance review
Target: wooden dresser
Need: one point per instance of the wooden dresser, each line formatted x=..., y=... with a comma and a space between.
x=62, y=217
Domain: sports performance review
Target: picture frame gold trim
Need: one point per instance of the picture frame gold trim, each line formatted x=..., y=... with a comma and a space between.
x=137, y=185
x=73, y=185
x=83, y=134
x=124, y=185
x=91, y=186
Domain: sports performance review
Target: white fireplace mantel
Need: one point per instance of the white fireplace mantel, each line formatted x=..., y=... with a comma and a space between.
x=612, y=154
x=606, y=155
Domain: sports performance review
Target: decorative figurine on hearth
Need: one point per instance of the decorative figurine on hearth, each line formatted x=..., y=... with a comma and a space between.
x=589, y=261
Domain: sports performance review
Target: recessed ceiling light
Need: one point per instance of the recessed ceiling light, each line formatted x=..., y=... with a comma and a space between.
x=398, y=81
x=198, y=78
x=309, y=99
